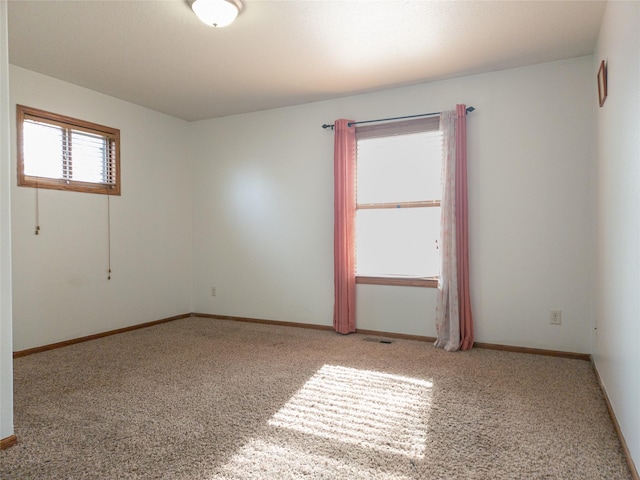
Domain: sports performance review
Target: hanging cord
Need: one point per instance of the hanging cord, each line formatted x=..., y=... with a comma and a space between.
x=108, y=233
x=37, y=232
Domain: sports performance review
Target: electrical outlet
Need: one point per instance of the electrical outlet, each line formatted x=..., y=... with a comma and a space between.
x=213, y=291
x=556, y=317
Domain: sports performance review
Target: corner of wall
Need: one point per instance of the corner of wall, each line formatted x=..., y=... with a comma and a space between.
x=6, y=344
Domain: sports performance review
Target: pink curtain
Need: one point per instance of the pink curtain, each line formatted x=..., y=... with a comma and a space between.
x=462, y=230
x=344, y=173
x=454, y=324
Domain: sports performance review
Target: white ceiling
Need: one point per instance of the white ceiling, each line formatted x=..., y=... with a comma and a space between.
x=156, y=53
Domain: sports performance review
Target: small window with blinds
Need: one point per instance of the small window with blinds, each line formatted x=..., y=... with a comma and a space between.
x=64, y=153
x=399, y=190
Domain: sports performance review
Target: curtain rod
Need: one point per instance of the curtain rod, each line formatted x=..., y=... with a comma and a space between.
x=469, y=109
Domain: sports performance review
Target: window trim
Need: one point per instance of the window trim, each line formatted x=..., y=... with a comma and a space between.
x=379, y=206
x=406, y=127
x=427, y=282
x=23, y=113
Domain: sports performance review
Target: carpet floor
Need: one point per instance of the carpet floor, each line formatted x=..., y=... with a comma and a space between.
x=204, y=399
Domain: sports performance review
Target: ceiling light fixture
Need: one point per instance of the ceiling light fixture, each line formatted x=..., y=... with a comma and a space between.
x=217, y=13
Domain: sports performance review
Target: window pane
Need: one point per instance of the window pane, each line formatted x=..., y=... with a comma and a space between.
x=398, y=241
x=42, y=150
x=400, y=168
x=89, y=157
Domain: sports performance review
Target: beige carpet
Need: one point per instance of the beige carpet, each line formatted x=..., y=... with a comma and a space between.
x=212, y=399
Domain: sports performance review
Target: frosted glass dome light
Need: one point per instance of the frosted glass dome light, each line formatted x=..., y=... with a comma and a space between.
x=217, y=13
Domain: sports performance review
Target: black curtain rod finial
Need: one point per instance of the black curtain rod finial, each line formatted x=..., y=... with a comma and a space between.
x=325, y=126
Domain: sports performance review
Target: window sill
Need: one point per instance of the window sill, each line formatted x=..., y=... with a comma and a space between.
x=70, y=186
x=431, y=282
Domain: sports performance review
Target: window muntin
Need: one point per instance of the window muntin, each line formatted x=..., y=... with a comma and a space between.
x=399, y=190
x=65, y=153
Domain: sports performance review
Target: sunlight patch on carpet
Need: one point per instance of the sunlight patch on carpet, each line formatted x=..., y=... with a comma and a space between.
x=278, y=459
x=380, y=411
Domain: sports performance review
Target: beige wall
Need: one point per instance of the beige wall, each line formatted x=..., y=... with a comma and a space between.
x=6, y=361
x=616, y=352
x=60, y=286
x=263, y=206
x=259, y=189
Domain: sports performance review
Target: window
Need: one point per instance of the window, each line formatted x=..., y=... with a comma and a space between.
x=398, y=197
x=65, y=153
